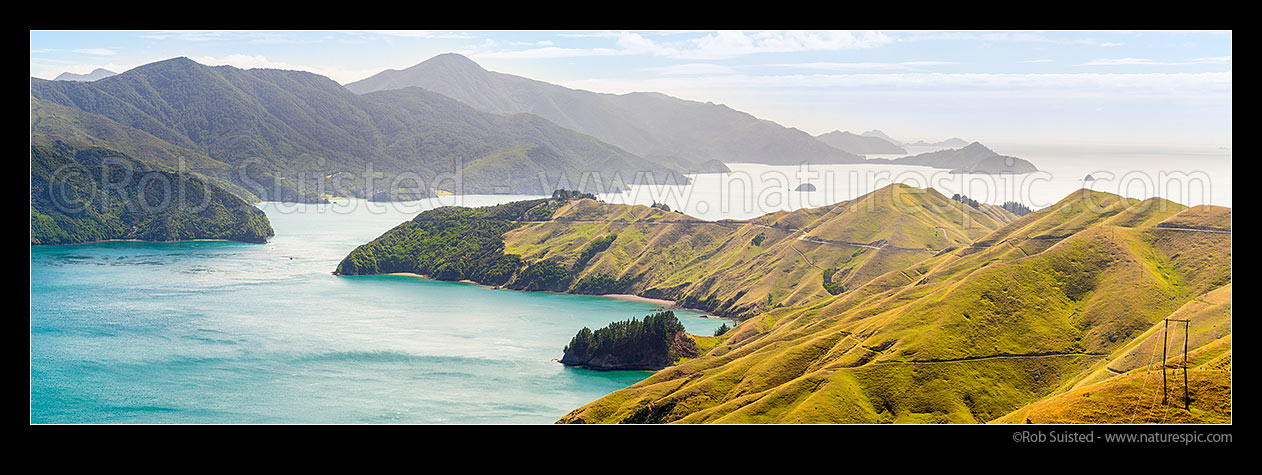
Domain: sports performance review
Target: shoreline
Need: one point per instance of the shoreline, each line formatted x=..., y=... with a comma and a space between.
x=143, y=240
x=665, y=304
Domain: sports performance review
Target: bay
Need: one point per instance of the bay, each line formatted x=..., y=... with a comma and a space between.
x=223, y=332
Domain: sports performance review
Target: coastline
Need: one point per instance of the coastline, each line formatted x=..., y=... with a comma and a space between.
x=666, y=304
x=143, y=240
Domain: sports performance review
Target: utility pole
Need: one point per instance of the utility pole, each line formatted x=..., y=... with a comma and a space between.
x=1186, y=400
x=1184, y=363
x=1165, y=329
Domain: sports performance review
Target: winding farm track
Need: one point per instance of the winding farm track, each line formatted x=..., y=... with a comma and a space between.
x=1051, y=354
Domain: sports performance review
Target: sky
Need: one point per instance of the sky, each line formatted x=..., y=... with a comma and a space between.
x=1090, y=87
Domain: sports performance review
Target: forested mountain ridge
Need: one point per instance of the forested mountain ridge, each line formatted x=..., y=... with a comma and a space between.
x=51, y=123
x=292, y=135
x=644, y=123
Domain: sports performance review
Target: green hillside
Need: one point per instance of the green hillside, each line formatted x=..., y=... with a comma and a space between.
x=92, y=194
x=293, y=136
x=51, y=123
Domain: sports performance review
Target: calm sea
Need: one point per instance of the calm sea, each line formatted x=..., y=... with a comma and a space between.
x=1186, y=175
x=220, y=332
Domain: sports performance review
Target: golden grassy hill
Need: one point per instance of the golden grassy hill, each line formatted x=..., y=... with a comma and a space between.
x=741, y=269
x=1023, y=315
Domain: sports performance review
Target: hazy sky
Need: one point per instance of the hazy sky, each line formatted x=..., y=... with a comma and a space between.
x=1150, y=87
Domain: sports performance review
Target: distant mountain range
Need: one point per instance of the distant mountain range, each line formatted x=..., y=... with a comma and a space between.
x=954, y=142
x=98, y=73
x=881, y=135
x=859, y=144
x=644, y=123
x=973, y=158
x=281, y=134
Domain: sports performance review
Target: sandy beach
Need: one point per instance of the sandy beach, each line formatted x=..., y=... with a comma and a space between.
x=637, y=298
x=668, y=304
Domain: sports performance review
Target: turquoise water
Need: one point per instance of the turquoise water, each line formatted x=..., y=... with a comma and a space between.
x=220, y=332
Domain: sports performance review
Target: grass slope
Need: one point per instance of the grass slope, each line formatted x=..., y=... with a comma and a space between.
x=966, y=335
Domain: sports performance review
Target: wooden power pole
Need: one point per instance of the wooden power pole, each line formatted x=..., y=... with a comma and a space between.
x=1165, y=329
x=1165, y=339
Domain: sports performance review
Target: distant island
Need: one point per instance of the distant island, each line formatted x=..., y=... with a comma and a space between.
x=805, y=187
x=98, y=73
x=652, y=344
x=953, y=142
x=974, y=158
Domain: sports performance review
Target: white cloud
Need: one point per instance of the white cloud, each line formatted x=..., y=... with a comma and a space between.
x=1214, y=84
x=716, y=45
x=592, y=34
x=727, y=44
x=1151, y=62
x=187, y=35
x=96, y=51
x=691, y=69
x=544, y=53
x=905, y=65
x=998, y=36
x=245, y=61
x=420, y=34
x=634, y=43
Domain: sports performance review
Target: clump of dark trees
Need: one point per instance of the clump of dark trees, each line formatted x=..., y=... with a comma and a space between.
x=650, y=344
x=1012, y=206
x=571, y=195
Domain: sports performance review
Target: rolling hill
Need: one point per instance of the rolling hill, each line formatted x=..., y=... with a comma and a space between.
x=1023, y=323
x=732, y=268
x=902, y=305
